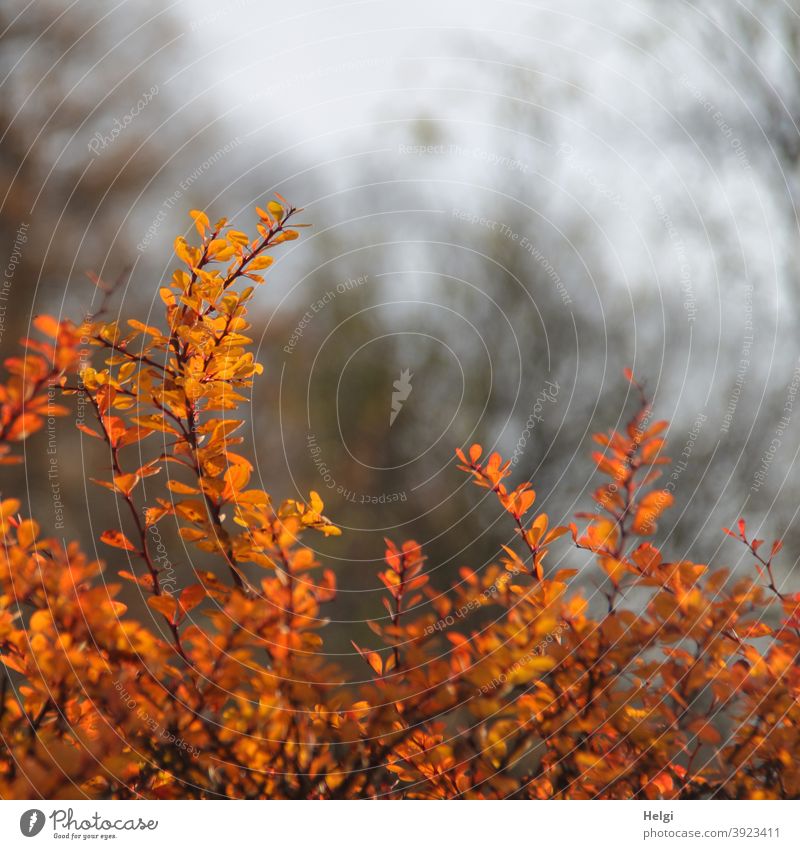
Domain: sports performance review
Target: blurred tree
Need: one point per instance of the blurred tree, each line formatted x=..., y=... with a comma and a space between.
x=87, y=119
x=586, y=185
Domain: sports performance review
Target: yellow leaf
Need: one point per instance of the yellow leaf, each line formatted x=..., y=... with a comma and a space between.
x=537, y=529
x=201, y=221
x=185, y=252
x=259, y=263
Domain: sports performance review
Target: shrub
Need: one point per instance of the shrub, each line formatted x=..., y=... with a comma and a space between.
x=684, y=684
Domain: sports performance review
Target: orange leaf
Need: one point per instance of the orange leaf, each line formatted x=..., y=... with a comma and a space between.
x=145, y=581
x=116, y=539
x=650, y=508
x=165, y=604
x=125, y=483
x=47, y=325
x=192, y=596
x=23, y=427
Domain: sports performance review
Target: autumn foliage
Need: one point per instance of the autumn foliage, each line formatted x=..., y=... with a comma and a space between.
x=682, y=683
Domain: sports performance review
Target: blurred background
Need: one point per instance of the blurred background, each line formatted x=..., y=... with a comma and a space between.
x=511, y=202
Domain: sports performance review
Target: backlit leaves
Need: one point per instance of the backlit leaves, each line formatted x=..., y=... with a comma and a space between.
x=117, y=539
x=670, y=679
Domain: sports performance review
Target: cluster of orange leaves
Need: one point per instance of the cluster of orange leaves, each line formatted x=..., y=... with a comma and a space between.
x=682, y=683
